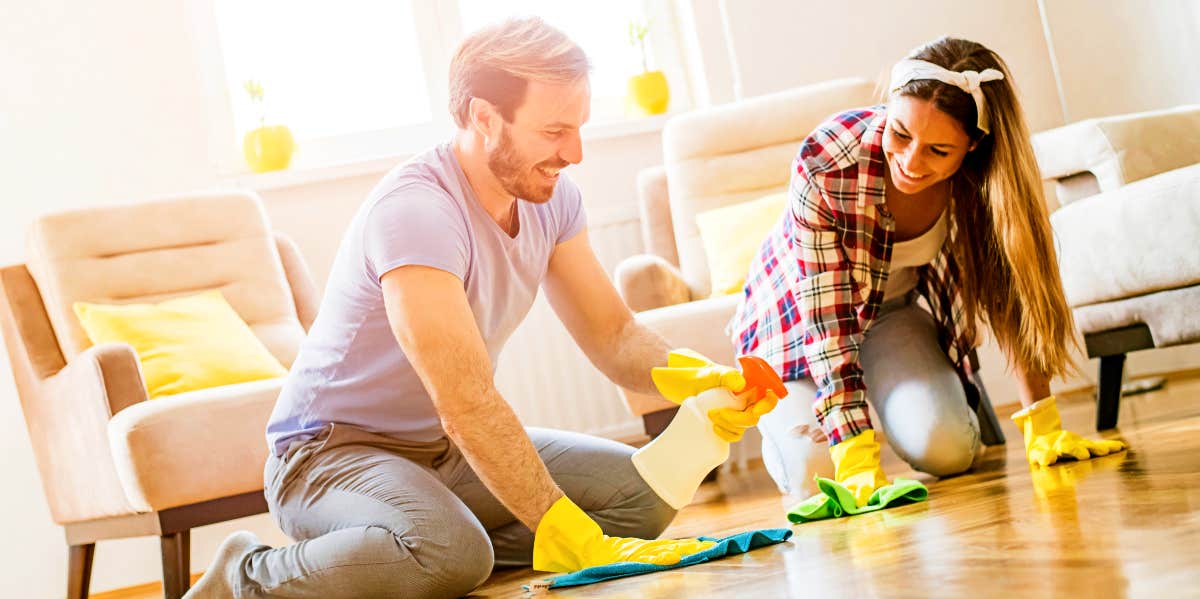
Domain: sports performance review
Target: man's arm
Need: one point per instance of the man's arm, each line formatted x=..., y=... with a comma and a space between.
x=587, y=303
x=432, y=320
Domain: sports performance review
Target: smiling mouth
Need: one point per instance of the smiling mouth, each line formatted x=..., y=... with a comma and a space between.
x=548, y=172
x=908, y=175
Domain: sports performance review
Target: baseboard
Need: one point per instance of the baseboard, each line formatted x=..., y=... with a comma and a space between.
x=141, y=591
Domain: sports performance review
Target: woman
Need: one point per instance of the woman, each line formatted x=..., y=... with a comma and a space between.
x=934, y=196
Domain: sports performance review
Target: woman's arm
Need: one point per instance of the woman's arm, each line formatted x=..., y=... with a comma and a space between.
x=1031, y=386
x=825, y=295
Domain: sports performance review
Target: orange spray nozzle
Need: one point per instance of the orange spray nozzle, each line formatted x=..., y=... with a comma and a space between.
x=760, y=378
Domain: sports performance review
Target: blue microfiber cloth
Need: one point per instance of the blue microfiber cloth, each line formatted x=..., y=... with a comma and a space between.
x=731, y=545
x=835, y=501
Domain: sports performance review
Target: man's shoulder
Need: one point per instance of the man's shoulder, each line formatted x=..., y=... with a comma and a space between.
x=836, y=143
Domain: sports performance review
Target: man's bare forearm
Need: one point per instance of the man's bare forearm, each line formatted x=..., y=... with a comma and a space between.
x=633, y=352
x=500, y=452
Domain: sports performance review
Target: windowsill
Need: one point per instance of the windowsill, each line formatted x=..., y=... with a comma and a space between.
x=295, y=177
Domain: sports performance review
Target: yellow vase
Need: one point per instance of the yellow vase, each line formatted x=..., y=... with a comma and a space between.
x=268, y=148
x=649, y=92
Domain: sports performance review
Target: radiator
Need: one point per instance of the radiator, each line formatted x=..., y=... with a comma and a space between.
x=544, y=375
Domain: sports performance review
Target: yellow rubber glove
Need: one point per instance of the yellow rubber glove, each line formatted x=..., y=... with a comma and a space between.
x=1046, y=442
x=688, y=373
x=856, y=466
x=567, y=540
x=731, y=424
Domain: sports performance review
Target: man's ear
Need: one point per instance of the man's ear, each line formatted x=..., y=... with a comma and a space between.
x=484, y=120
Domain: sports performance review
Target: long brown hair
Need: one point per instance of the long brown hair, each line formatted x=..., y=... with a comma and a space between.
x=1003, y=247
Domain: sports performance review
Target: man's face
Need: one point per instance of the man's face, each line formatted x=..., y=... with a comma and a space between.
x=542, y=139
x=923, y=145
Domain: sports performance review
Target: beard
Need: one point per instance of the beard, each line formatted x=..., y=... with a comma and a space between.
x=519, y=176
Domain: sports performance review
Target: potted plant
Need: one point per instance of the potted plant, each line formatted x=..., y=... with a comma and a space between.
x=267, y=148
x=648, y=91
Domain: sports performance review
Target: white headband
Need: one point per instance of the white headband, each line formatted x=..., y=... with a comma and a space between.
x=968, y=81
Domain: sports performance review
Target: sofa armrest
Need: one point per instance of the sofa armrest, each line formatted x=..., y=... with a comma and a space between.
x=68, y=426
x=304, y=291
x=67, y=406
x=647, y=282
x=654, y=208
x=1121, y=149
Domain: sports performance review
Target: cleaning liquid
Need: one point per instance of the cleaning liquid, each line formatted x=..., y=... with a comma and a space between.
x=676, y=462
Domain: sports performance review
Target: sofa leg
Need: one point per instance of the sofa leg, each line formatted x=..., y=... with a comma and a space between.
x=176, y=563
x=1108, y=397
x=79, y=570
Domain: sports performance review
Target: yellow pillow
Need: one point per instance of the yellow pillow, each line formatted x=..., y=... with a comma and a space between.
x=184, y=344
x=732, y=236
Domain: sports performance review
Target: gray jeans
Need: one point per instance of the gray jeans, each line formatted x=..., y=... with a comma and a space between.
x=915, y=395
x=375, y=516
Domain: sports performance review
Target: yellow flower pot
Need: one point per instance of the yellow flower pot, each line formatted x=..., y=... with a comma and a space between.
x=649, y=92
x=268, y=148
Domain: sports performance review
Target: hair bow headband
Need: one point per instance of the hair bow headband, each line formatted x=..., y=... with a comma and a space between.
x=968, y=81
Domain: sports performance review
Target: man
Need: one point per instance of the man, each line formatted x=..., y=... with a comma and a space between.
x=394, y=460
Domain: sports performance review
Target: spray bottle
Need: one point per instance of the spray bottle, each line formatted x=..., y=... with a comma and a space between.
x=676, y=462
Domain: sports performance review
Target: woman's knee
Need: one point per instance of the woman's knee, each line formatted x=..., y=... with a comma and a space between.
x=944, y=445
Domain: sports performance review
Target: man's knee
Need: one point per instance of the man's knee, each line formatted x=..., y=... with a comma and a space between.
x=452, y=560
x=640, y=513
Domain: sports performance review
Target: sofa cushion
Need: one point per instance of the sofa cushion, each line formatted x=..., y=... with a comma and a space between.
x=732, y=236
x=195, y=446
x=1131, y=241
x=1170, y=315
x=184, y=344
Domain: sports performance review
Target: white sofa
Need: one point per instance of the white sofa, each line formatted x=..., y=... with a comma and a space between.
x=1128, y=234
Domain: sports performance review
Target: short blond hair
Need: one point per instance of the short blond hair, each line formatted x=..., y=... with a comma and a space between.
x=497, y=62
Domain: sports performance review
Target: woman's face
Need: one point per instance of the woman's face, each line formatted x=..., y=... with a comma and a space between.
x=923, y=145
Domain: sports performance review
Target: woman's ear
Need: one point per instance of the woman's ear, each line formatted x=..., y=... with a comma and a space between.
x=974, y=144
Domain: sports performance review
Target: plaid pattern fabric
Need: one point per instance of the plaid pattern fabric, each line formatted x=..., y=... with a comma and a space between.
x=817, y=283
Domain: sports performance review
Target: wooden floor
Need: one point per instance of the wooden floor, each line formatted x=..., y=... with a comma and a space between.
x=1122, y=525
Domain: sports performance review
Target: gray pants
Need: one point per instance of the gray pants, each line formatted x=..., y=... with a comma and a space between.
x=379, y=517
x=915, y=395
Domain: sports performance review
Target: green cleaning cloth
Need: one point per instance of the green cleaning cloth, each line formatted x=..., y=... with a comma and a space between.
x=835, y=501
x=731, y=545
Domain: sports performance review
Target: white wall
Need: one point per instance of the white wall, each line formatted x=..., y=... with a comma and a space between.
x=781, y=44
x=102, y=103
x=1139, y=56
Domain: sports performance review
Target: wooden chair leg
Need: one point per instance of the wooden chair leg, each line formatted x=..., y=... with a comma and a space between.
x=79, y=570
x=1108, y=396
x=176, y=560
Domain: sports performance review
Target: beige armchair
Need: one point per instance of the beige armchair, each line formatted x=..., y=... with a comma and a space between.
x=714, y=158
x=112, y=463
x=1127, y=234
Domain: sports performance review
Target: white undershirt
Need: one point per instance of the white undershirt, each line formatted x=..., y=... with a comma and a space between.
x=907, y=256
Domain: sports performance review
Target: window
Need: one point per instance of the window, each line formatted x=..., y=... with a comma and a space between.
x=363, y=79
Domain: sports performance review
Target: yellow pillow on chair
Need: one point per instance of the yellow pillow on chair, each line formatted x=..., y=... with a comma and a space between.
x=732, y=236
x=184, y=344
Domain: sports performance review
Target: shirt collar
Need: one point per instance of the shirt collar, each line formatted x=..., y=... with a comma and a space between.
x=872, y=165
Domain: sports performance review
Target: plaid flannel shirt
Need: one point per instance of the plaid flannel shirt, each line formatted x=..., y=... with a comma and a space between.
x=817, y=283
